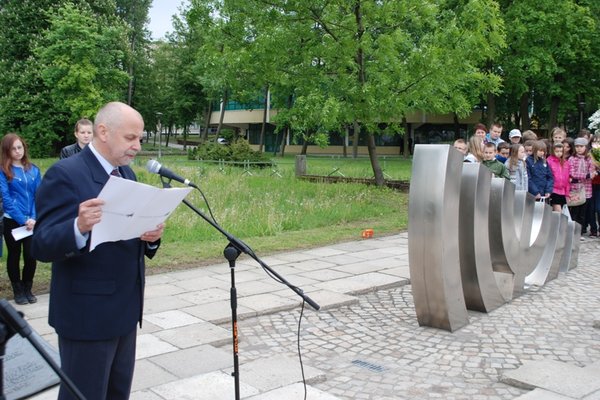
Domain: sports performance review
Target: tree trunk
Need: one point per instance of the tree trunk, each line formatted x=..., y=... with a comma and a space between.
x=204, y=135
x=355, y=139
x=168, y=135
x=222, y=115
x=491, y=109
x=345, y=148
x=524, y=111
x=130, y=71
x=553, y=117
x=406, y=137
x=286, y=133
x=379, y=180
x=185, y=137
x=261, y=141
x=456, y=127
x=304, y=148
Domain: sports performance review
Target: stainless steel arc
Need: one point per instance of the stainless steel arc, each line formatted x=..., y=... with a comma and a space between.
x=475, y=242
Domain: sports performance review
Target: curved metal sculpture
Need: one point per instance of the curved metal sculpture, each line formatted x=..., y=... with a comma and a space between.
x=475, y=242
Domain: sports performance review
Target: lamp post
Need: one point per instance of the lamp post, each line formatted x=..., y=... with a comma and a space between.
x=581, y=107
x=158, y=115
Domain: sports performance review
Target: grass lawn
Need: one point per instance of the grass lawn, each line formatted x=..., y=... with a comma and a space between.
x=269, y=209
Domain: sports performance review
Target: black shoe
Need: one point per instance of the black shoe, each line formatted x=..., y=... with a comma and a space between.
x=27, y=290
x=19, y=293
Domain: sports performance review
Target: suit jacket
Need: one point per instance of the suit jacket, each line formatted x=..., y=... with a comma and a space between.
x=94, y=295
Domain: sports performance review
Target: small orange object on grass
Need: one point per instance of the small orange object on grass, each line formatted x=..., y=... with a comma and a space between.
x=367, y=233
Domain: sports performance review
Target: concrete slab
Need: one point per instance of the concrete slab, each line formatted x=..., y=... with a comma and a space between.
x=362, y=283
x=146, y=394
x=149, y=345
x=541, y=394
x=194, y=361
x=157, y=279
x=195, y=335
x=158, y=304
x=172, y=319
x=148, y=327
x=327, y=299
x=250, y=288
x=325, y=275
x=295, y=257
x=219, y=312
x=211, y=386
x=161, y=290
x=148, y=374
x=312, y=265
x=48, y=394
x=593, y=396
x=36, y=310
x=343, y=259
x=293, y=392
x=274, y=372
x=555, y=376
x=593, y=368
x=268, y=303
x=321, y=252
x=40, y=325
x=402, y=272
x=206, y=295
x=365, y=266
x=203, y=282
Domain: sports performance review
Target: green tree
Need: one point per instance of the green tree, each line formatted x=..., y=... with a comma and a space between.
x=549, y=57
x=24, y=99
x=81, y=58
x=363, y=63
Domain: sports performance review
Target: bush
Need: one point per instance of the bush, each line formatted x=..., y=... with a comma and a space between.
x=239, y=151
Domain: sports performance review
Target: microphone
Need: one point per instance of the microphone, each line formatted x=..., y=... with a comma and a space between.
x=155, y=167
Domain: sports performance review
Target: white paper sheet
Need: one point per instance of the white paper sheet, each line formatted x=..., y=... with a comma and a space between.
x=132, y=208
x=21, y=233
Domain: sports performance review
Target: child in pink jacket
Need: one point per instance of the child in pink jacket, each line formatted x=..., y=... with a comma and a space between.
x=560, y=170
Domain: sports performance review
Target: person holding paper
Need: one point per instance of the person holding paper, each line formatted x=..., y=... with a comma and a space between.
x=96, y=297
x=19, y=181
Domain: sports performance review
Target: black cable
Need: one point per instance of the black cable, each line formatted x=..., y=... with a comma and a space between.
x=300, y=351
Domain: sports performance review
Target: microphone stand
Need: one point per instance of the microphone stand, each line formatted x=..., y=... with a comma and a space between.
x=14, y=323
x=231, y=252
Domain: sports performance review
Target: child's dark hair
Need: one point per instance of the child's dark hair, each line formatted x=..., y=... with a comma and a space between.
x=489, y=144
x=503, y=145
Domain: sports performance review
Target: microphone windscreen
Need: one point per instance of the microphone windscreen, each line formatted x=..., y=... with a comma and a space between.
x=153, y=166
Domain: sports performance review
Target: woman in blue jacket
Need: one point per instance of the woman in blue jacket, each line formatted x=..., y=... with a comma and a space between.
x=19, y=180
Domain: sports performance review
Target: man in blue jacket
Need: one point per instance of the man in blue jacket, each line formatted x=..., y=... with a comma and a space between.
x=96, y=298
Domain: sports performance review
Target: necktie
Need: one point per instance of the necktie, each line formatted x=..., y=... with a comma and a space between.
x=115, y=172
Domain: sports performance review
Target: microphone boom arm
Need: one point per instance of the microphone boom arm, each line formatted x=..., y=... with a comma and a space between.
x=242, y=247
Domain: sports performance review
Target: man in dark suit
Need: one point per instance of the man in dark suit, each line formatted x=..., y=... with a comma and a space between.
x=96, y=298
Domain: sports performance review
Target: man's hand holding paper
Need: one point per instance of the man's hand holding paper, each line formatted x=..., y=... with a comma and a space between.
x=132, y=209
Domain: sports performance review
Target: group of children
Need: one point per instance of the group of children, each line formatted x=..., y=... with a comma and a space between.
x=560, y=171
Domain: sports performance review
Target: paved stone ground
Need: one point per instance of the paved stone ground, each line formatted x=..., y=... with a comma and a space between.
x=375, y=349
x=365, y=343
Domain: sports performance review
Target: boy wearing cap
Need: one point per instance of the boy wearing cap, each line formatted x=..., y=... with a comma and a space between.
x=515, y=136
